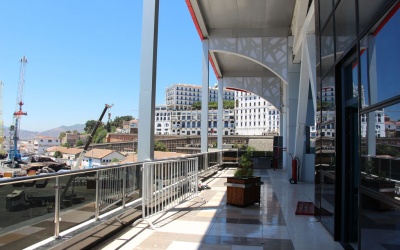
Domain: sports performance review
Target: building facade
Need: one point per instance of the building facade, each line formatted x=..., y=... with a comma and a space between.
x=42, y=143
x=254, y=115
x=183, y=96
x=358, y=93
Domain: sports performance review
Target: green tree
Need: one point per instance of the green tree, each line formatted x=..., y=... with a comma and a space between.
x=75, y=131
x=159, y=146
x=89, y=125
x=118, y=121
x=100, y=135
x=80, y=143
x=65, y=145
x=58, y=154
x=114, y=160
x=229, y=104
x=196, y=106
x=214, y=105
x=62, y=135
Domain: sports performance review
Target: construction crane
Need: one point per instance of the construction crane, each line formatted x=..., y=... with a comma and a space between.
x=14, y=152
x=89, y=140
x=2, y=137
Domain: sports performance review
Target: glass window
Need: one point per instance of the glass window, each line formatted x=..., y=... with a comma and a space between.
x=327, y=48
x=325, y=7
x=368, y=12
x=345, y=25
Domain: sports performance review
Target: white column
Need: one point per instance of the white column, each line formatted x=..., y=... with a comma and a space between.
x=204, y=99
x=283, y=124
x=302, y=107
x=220, y=122
x=148, y=68
x=293, y=90
x=373, y=95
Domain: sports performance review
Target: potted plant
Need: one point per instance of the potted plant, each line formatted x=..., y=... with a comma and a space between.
x=376, y=180
x=243, y=188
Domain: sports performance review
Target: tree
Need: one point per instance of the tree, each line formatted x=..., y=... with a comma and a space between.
x=100, y=135
x=159, y=146
x=196, y=106
x=229, y=104
x=114, y=160
x=89, y=126
x=118, y=121
x=65, y=145
x=62, y=135
x=214, y=105
x=75, y=131
x=58, y=154
x=108, y=126
x=80, y=143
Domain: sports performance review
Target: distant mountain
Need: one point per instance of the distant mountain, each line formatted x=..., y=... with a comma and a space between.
x=55, y=132
x=23, y=134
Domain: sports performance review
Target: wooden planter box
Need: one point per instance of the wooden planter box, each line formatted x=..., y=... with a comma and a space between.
x=382, y=186
x=243, y=192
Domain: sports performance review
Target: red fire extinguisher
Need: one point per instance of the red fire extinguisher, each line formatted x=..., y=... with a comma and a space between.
x=295, y=169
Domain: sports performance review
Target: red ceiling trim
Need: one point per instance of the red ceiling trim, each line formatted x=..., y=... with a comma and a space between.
x=235, y=89
x=387, y=18
x=196, y=23
x=213, y=66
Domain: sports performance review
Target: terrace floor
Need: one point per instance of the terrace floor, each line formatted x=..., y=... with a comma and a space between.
x=272, y=224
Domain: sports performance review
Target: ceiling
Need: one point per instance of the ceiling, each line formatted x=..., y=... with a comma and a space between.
x=240, y=19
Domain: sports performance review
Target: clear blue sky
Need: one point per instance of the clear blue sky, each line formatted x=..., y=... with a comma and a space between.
x=84, y=54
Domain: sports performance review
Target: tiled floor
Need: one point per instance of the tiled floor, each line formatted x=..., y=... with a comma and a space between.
x=215, y=225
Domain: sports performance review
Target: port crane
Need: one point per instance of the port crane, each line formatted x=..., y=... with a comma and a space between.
x=14, y=152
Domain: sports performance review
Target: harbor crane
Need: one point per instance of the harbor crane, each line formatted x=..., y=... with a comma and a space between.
x=14, y=152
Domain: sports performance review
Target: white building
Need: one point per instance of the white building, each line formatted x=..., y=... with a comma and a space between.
x=328, y=114
x=254, y=115
x=182, y=96
x=162, y=120
x=42, y=143
x=188, y=122
x=100, y=157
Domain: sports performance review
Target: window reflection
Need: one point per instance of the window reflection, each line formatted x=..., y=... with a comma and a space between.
x=345, y=25
x=327, y=48
x=383, y=55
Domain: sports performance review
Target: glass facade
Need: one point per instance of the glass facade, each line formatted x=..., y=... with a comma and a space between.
x=357, y=163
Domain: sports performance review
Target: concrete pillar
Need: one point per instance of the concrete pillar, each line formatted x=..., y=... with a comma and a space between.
x=283, y=125
x=220, y=123
x=293, y=90
x=148, y=68
x=204, y=98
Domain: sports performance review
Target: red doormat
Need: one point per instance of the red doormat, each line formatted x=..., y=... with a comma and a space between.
x=305, y=208
x=308, y=208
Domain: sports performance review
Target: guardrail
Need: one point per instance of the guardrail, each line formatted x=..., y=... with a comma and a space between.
x=59, y=203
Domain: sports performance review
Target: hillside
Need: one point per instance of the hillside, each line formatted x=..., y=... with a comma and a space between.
x=55, y=132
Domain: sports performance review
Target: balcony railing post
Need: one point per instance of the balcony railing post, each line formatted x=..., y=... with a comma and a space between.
x=57, y=209
x=124, y=187
x=206, y=164
x=196, y=169
x=97, y=211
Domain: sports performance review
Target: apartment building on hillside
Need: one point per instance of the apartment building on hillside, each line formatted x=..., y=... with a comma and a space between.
x=254, y=115
x=182, y=96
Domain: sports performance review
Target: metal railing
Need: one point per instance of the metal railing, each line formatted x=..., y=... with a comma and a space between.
x=62, y=202
x=168, y=184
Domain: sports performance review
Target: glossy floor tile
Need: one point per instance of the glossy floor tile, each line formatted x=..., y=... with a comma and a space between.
x=272, y=224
